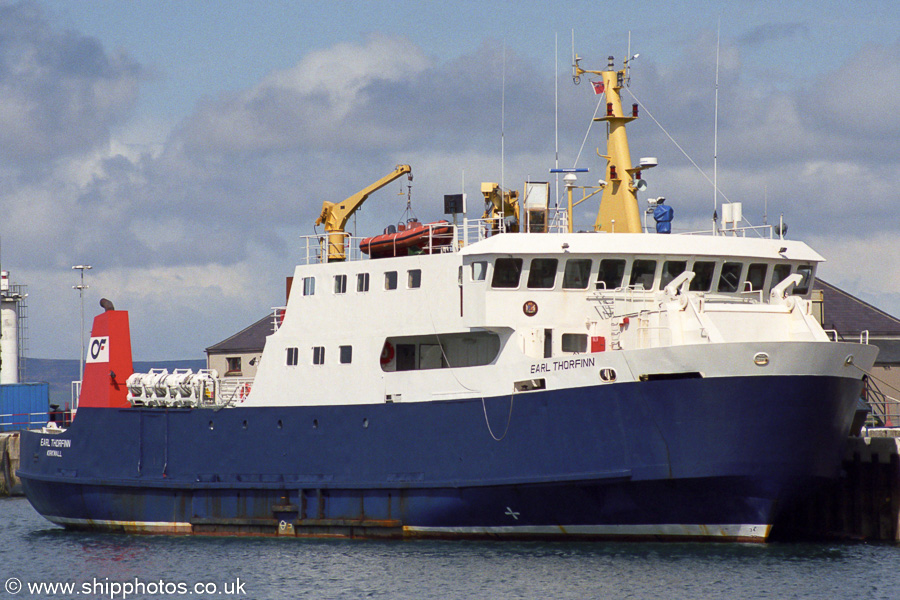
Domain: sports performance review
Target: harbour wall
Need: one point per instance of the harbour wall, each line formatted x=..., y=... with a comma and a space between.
x=9, y=463
x=864, y=504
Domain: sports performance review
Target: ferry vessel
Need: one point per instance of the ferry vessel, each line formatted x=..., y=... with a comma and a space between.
x=515, y=379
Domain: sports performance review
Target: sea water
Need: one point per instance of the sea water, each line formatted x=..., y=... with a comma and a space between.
x=38, y=558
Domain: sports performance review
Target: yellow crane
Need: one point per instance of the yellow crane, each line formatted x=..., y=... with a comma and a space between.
x=498, y=205
x=335, y=214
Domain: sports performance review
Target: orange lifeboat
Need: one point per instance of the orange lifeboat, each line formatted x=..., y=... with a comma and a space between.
x=411, y=238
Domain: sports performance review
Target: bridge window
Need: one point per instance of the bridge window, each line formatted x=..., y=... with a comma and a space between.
x=780, y=273
x=671, y=270
x=479, y=270
x=542, y=274
x=577, y=274
x=730, y=277
x=642, y=274
x=611, y=272
x=805, y=272
x=703, y=275
x=506, y=273
x=756, y=276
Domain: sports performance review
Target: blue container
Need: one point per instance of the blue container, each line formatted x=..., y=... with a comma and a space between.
x=24, y=406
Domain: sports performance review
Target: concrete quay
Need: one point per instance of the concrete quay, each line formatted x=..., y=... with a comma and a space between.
x=9, y=462
x=864, y=504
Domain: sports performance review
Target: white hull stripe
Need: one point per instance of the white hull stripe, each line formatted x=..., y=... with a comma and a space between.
x=748, y=532
x=760, y=532
x=128, y=526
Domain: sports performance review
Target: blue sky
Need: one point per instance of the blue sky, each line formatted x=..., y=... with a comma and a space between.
x=182, y=147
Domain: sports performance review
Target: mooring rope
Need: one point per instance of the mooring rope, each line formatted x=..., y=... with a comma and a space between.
x=508, y=418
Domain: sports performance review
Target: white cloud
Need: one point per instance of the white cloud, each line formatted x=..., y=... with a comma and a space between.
x=193, y=227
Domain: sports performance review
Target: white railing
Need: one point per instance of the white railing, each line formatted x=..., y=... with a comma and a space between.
x=17, y=421
x=277, y=317
x=762, y=231
x=314, y=248
x=834, y=336
x=76, y=394
x=233, y=390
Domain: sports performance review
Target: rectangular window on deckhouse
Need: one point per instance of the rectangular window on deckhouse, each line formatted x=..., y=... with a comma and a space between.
x=346, y=354
x=611, y=273
x=577, y=275
x=319, y=355
x=309, y=286
x=542, y=273
x=703, y=275
x=362, y=282
x=340, y=284
x=292, y=356
x=506, y=273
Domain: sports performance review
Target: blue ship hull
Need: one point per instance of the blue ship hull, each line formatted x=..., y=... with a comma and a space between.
x=691, y=458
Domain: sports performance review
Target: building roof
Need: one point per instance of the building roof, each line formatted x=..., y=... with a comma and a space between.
x=849, y=315
x=251, y=339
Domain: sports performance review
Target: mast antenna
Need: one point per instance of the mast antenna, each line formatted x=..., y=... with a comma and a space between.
x=503, y=119
x=556, y=109
x=716, y=136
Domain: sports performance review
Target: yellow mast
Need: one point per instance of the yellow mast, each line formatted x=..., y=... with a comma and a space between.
x=619, y=211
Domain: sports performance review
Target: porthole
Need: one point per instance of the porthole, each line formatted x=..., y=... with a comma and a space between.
x=315, y=423
x=211, y=426
x=280, y=424
x=244, y=424
x=365, y=423
x=608, y=375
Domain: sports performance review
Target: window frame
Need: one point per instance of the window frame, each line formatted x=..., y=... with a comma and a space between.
x=318, y=355
x=362, y=282
x=293, y=356
x=506, y=285
x=345, y=354
x=621, y=266
x=539, y=268
x=633, y=274
x=568, y=275
x=340, y=283
x=309, y=286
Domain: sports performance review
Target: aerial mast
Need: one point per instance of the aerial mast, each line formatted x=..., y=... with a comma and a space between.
x=619, y=212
